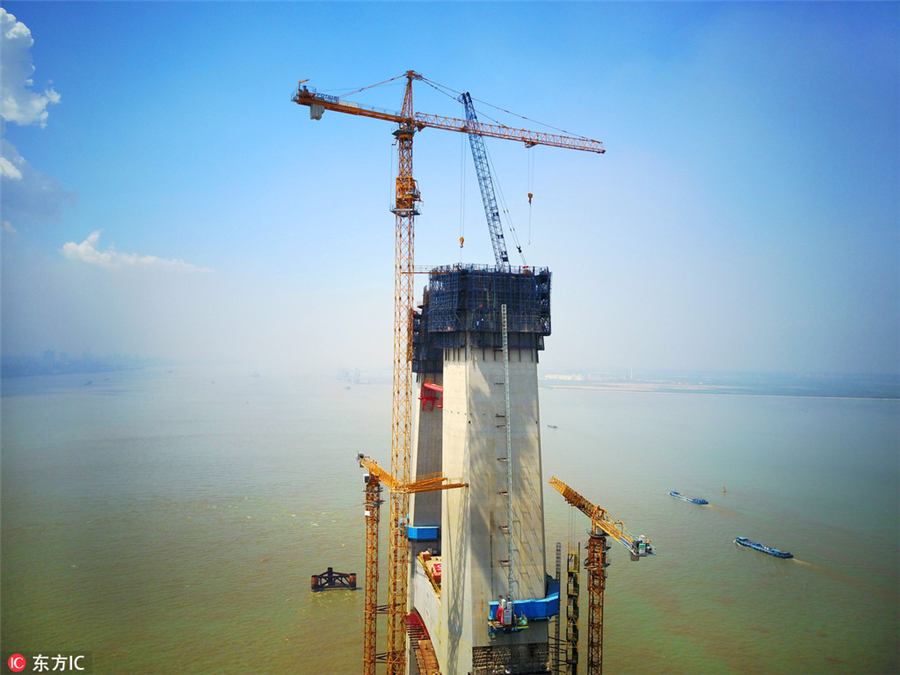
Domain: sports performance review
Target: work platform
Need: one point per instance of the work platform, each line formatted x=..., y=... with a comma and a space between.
x=461, y=306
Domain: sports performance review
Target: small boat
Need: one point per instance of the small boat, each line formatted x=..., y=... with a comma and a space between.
x=692, y=500
x=743, y=541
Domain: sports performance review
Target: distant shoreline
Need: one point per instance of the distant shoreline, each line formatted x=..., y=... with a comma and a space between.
x=706, y=390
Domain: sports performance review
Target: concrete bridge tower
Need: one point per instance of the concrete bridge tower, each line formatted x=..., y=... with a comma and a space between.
x=490, y=543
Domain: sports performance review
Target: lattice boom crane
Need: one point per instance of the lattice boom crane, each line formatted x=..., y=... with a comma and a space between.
x=486, y=184
x=405, y=209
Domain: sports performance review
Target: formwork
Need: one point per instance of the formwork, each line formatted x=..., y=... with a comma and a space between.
x=461, y=306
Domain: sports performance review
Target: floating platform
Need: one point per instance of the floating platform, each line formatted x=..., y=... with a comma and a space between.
x=743, y=541
x=332, y=579
x=692, y=500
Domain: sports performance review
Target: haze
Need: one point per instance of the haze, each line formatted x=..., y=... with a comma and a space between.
x=162, y=196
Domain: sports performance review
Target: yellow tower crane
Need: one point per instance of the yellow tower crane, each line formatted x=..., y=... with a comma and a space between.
x=405, y=209
x=375, y=478
x=602, y=525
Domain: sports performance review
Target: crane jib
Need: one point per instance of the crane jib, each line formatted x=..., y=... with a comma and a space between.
x=309, y=97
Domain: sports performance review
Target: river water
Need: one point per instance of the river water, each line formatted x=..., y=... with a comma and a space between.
x=168, y=521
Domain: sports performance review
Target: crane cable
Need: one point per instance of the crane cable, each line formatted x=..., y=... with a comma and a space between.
x=493, y=171
x=371, y=86
x=530, y=187
x=457, y=94
x=503, y=207
x=462, y=193
x=443, y=89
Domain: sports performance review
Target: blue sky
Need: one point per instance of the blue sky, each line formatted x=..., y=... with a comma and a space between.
x=163, y=197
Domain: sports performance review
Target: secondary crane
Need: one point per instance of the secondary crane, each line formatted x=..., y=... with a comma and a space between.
x=602, y=525
x=376, y=477
x=427, y=483
x=405, y=209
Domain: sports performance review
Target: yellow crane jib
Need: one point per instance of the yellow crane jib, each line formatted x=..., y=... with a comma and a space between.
x=428, y=483
x=639, y=547
x=318, y=103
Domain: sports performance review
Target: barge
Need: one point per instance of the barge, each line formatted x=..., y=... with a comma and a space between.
x=743, y=541
x=692, y=500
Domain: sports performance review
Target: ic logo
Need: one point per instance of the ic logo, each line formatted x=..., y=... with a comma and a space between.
x=16, y=663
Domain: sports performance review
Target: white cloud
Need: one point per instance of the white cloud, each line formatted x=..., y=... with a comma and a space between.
x=8, y=228
x=88, y=252
x=9, y=170
x=29, y=196
x=18, y=102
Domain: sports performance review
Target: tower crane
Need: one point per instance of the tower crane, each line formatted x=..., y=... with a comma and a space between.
x=376, y=477
x=405, y=209
x=602, y=525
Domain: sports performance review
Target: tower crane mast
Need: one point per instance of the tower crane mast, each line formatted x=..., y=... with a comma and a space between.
x=375, y=478
x=405, y=209
x=602, y=525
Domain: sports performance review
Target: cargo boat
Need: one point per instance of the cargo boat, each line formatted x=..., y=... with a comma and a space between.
x=692, y=500
x=743, y=541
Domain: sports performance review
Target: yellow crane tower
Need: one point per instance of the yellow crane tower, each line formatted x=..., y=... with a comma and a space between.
x=405, y=209
x=602, y=525
x=377, y=477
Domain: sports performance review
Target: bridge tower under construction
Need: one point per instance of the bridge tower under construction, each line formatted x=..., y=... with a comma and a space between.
x=478, y=580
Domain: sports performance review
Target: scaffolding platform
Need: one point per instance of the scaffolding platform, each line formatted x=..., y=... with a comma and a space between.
x=461, y=306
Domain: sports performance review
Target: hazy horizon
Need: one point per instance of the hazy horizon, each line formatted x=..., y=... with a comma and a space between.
x=163, y=197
